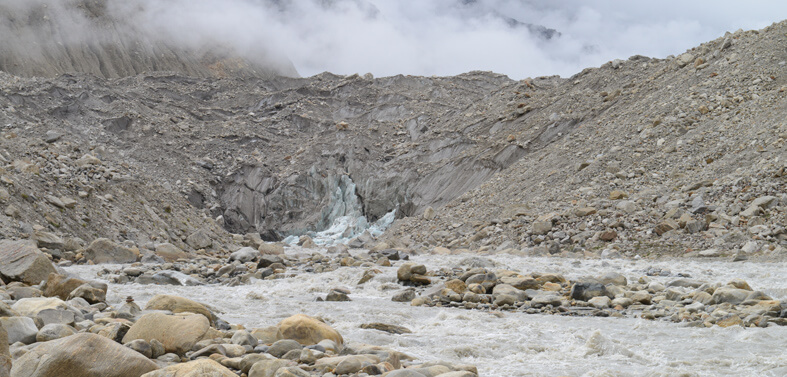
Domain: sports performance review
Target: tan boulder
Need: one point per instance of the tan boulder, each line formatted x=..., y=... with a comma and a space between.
x=82, y=355
x=61, y=286
x=177, y=304
x=90, y=293
x=103, y=250
x=267, y=335
x=307, y=330
x=268, y=368
x=31, y=306
x=5, y=355
x=178, y=333
x=196, y=368
x=169, y=252
x=23, y=261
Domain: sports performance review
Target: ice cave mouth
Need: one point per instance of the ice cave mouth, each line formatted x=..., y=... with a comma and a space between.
x=328, y=207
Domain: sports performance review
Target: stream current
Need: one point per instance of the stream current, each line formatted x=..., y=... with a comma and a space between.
x=510, y=343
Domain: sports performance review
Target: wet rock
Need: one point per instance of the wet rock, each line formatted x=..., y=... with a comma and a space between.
x=486, y=280
x=169, y=277
x=729, y=295
x=335, y=295
x=391, y=329
x=584, y=291
x=22, y=261
x=730, y=320
x=85, y=355
x=405, y=295
x=369, y=275
x=103, y=250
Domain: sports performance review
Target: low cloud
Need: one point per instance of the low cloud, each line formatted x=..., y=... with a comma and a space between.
x=439, y=37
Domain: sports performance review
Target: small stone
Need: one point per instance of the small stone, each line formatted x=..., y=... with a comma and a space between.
x=584, y=211
x=600, y=302
x=617, y=195
x=429, y=213
x=542, y=227
x=406, y=295
x=392, y=329
x=52, y=136
x=608, y=235
x=337, y=296
x=665, y=226
x=730, y=320
x=584, y=291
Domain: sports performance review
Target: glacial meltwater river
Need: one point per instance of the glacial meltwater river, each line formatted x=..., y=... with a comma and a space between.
x=511, y=343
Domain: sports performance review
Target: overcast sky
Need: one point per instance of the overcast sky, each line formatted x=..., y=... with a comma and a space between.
x=447, y=37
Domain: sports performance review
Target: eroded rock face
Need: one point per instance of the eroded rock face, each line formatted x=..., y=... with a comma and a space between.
x=83, y=355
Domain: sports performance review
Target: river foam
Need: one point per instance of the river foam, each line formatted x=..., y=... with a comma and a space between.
x=511, y=343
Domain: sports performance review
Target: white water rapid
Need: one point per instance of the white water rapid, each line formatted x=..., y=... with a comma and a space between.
x=511, y=343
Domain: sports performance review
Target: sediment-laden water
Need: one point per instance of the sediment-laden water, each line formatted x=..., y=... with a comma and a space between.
x=513, y=343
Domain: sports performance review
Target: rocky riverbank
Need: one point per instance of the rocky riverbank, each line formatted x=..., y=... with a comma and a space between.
x=60, y=325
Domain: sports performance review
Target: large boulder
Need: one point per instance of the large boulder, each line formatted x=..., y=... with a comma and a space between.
x=177, y=304
x=23, y=261
x=178, y=333
x=31, y=306
x=19, y=329
x=103, y=250
x=245, y=254
x=61, y=286
x=730, y=295
x=90, y=293
x=197, y=368
x=82, y=355
x=199, y=240
x=585, y=290
x=307, y=330
x=5, y=355
x=169, y=252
